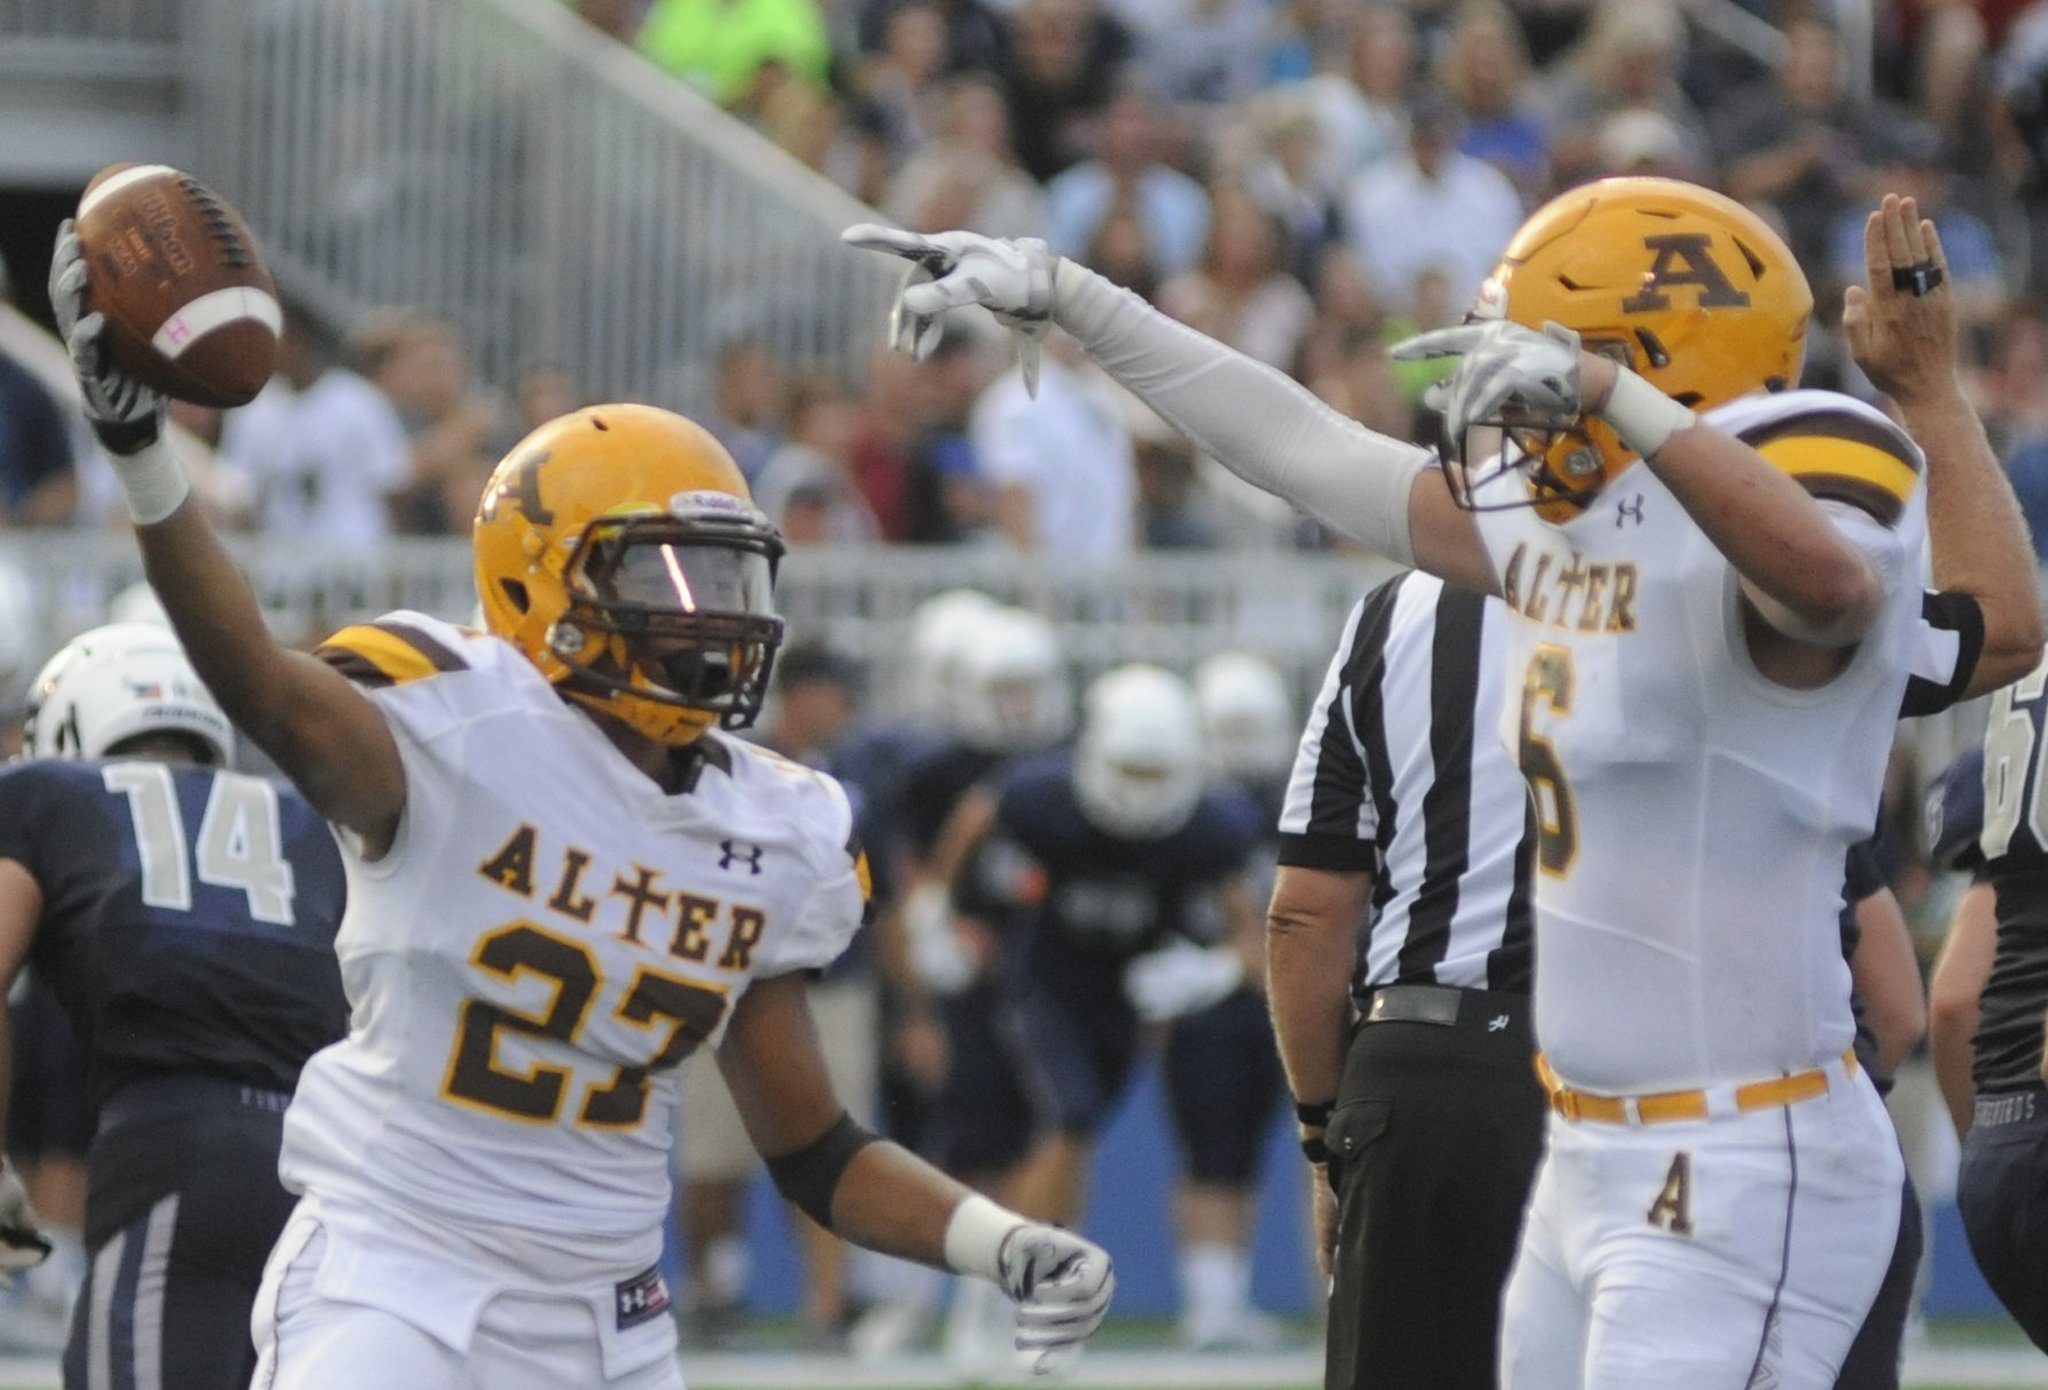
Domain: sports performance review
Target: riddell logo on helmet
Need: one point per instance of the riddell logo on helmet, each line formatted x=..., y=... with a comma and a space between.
x=1683, y=258
x=705, y=499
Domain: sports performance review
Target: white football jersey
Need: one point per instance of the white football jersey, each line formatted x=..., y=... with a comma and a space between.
x=1695, y=815
x=548, y=938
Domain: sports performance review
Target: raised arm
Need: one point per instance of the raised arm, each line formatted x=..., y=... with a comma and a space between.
x=1901, y=329
x=323, y=733
x=1384, y=493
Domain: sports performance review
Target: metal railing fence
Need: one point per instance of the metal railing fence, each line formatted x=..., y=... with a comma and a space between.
x=87, y=36
x=499, y=163
x=1173, y=609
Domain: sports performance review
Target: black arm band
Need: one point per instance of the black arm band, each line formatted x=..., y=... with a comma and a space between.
x=809, y=1177
x=1315, y=1115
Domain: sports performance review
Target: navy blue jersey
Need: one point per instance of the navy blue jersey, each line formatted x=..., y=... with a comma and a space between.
x=1076, y=887
x=188, y=917
x=1864, y=876
x=934, y=784
x=2014, y=807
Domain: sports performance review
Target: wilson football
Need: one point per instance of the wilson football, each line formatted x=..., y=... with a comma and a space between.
x=190, y=308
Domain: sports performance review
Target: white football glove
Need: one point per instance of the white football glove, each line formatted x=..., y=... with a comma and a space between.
x=22, y=1245
x=1181, y=978
x=950, y=270
x=1062, y=1286
x=1511, y=375
x=127, y=416
x=938, y=958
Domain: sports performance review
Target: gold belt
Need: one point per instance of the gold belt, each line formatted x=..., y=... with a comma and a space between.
x=1670, y=1107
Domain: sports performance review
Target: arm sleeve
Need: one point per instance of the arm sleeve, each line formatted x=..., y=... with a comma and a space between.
x=1946, y=649
x=1258, y=423
x=1328, y=821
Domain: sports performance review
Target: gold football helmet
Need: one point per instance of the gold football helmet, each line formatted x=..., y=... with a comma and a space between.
x=1689, y=289
x=618, y=548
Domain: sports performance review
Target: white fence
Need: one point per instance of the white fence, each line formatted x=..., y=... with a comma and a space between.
x=501, y=164
x=101, y=34
x=1172, y=609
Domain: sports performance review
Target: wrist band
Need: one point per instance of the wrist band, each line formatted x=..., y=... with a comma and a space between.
x=1643, y=416
x=154, y=482
x=1315, y=1150
x=1315, y=1115
x=975, y=1234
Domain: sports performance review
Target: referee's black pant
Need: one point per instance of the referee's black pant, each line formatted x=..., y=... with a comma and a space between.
x=1434, y=1142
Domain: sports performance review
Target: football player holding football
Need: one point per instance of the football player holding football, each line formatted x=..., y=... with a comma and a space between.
x=563, y=879
x=1713, y=583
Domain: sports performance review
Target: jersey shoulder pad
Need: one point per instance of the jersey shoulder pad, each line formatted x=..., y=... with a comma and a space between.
x=33, y=780
x=400, y=648
x=812, y=801
x=1836, y=445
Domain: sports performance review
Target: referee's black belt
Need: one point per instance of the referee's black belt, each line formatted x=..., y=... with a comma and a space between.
x=1442, y=1005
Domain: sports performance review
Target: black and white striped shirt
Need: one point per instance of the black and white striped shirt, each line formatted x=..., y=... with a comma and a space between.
x=1415, y=692
x=1401, y=774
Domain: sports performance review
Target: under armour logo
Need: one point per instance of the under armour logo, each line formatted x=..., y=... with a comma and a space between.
x=734, y=852
x=1630, y=509
x=1496, y=1023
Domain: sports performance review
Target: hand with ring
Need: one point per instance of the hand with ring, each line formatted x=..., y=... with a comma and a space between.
x=1901, y=326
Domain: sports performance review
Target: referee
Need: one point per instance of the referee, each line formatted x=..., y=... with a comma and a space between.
x=1404, y=812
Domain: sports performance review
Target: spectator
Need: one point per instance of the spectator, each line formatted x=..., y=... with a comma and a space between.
x=1628, y=60
x=420, y=366
x=1363, y=115
x=885, y=441
x=1061, y=465
x=901, y=81
x=2028, y=471
x=1642, y=141
x=975, y=41
x=828, y=136
x=1437, y=209
x=323, y=449
x=38, y=475
x=1206, y=52
x=1798, y=141
x=811, y=470
x=2014, y=389
x=1912, y=165
x=1122, y=250
x=946, y=499
x=1285, y=175
x=1486, y=72
x=620, y=19
x=969, y=177
x=1063, y=67
x=1169, y=499
x=1127, y=166
x=750, y=405
x=736, y=51
x=1240, y=293
x=544, y=391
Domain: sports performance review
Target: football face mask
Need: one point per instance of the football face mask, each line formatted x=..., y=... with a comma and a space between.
x=675, y=611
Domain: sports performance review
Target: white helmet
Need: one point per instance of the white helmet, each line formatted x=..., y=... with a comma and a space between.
x=20, y=622
x=1138, y=765
x=117, y=682
x=1249, y=726
x=138, y=603
x=1014, y=695
x=943, y=631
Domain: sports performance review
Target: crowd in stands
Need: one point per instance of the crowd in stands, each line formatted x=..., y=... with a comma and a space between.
x=1307, y=179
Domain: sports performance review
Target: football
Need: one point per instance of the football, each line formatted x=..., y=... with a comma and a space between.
x=190, y=309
